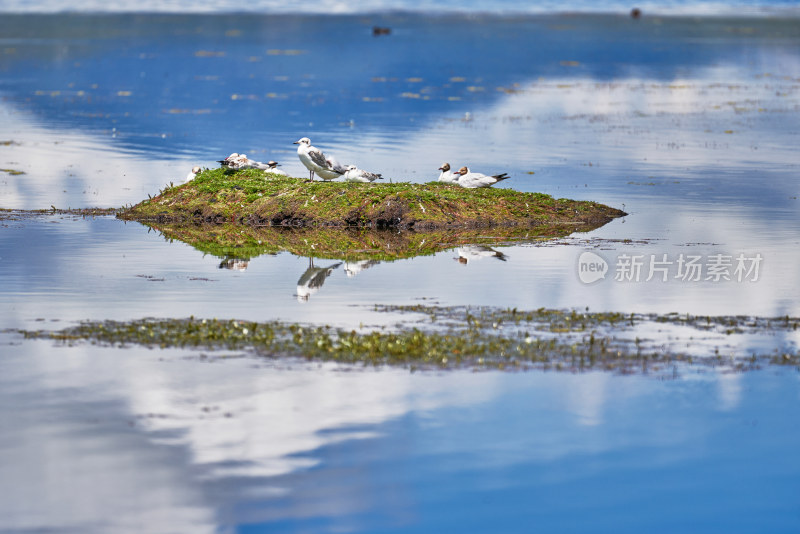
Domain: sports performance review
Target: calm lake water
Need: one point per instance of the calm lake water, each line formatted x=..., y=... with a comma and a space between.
x=688, y=124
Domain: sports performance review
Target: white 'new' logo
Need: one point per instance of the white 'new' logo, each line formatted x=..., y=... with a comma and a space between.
x=591, y=267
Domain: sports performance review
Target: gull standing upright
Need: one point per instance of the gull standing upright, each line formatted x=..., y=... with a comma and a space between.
x=446, y=175
x=314, y=160
x=473, y=180
x=354, y=174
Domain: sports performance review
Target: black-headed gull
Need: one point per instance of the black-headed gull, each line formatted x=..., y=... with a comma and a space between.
x=272, y=167
x=446, y=175
x=314, y=160
x=473, y=180
x=193, y=174
x=354, y=174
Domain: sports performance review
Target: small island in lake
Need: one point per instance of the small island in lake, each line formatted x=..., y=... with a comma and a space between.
x=256, y=199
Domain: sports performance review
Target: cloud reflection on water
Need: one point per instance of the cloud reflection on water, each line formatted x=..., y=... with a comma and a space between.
x=184, y=439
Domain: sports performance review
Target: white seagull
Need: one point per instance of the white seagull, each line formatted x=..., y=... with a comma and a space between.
x=446, y=175
x=193, y=174
x=314, y=160
x=472, y=180
x=354, y=174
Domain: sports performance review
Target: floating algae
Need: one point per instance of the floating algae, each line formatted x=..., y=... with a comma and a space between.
x=458, y=337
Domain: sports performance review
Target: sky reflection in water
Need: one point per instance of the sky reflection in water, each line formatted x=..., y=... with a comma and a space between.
x=206, y=443
x=689, y=126
x=686, y=125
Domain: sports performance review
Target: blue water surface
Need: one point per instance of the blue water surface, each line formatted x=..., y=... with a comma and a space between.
x=687, y=123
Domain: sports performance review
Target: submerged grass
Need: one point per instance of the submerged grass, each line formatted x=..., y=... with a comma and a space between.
x=257, y=199
x=454, y=337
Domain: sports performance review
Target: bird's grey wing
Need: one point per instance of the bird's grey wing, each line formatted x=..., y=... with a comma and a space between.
x=308, y=275
x=318, y=279
x=323, y=273
x=318, y=158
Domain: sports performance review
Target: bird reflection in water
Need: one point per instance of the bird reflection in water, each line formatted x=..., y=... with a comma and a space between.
x=352, y=268
x=470, y=253
x=311, y=280
x=234, y=264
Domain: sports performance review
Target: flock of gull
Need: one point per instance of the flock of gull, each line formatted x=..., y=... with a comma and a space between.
x=328, y=168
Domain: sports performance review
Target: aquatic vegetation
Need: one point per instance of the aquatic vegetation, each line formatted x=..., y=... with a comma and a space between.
x=454, y=337
x=253, y=198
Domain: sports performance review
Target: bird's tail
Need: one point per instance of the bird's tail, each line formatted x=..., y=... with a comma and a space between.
x=501, y=177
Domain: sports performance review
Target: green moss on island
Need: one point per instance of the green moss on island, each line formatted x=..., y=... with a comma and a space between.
x=252, y=198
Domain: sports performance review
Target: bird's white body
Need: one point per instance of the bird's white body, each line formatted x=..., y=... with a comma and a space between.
x=473, y=180
x=328, y=175
x=447, y=175
x=354, y=174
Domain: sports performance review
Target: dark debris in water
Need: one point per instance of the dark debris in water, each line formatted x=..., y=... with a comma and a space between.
x=22, y=215
x=458, y=337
